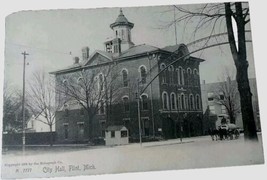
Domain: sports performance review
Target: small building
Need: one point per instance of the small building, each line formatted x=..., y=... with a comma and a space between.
x=116, y=135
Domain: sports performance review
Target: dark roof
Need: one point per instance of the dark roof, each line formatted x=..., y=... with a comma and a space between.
x=138, y=49
x=114, y=128
x=121, y=20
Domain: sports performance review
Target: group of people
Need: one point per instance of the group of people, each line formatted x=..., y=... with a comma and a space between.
x=224, y=131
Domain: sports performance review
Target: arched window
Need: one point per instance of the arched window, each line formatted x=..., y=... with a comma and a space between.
x=183, y=105
x=143, y=74
x=195, y=72
x=171, y=73
x=101, y=82
x=191, y=102
x=125, y=78
x=102, y=108
x=126, y=104
x=197, y=102
x=144, y=102
x=181, y=75
x=179, y=102
x=165, y=101
x=173, y=101
x=189, y=71
x=164, y=73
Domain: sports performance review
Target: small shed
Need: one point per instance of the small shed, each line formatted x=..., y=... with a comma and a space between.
x=116, y=135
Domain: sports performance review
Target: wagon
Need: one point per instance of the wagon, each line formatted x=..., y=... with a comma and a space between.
x=233, y=131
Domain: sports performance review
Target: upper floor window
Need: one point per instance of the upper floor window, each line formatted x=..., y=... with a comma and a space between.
x=191, y=101
x=101, y=82
x=173, y=101
x=143, y=74
x=181, y=76
x=165, y=100
x=171, y=73
x=183, y=104
x=126, y=104
x=164, y=73
x=102, y=108
x=197, y=102
x=125, y=78
x=144, y=102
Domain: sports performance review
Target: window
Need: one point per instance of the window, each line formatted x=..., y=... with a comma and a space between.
x=197, y=102
x=102, y=108
x=191, y=101
x=189, y=71
x=164, y=73
x=212, y=109
x=112, y=134
x=181, y=76
x=221, y=96
x=210, y=96
x=80, y=129
x=171, y=69
x=144, y=102
x=195, y=72
x=122, y=34
x=101, y=82
x=124, y=134
x=173, y=101
x=125, y=78
x=103, y=126
x=126, y=104
x=66, y=131
x=143, y=74
x=183, y=101
x=223, y=108
x=81, y=111
x=165, y=100
x=66, y=112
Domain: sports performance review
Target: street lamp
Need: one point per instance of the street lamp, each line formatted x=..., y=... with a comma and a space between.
x=138, y=109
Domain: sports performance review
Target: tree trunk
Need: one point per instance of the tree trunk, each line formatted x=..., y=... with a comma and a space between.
x=51, y=135
x=241, y=63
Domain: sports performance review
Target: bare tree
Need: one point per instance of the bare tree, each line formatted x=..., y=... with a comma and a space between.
x=212, y=15
x=226, y=94
x=95, y=89
x=12, y=112
x=41, y=100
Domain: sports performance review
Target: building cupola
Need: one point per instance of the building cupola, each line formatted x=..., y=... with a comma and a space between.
x=122, y=31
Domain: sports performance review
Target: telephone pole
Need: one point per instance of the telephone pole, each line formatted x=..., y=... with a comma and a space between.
x=23, y=102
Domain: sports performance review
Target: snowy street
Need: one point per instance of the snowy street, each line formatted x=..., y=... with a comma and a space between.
x=197, y=152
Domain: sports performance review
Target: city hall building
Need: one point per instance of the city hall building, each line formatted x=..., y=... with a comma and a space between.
x=165, y=81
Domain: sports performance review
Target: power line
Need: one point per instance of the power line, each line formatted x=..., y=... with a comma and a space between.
x=37, y=48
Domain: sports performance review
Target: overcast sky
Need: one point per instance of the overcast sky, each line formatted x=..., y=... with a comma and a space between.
x=50, y=35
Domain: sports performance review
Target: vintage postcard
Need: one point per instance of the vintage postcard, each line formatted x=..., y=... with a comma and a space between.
x=91, y=91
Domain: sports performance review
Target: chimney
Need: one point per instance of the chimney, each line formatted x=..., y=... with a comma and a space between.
x=203, y=82
x=85, y=53
x=76, y=60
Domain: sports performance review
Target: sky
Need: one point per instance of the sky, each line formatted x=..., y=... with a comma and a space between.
x=53, y=37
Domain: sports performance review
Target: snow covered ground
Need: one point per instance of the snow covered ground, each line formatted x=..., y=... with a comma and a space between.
x=198, y=152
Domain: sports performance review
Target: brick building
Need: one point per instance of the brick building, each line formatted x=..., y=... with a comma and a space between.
x=170, y=106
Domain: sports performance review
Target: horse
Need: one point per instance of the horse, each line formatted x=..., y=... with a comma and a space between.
x=214, y=133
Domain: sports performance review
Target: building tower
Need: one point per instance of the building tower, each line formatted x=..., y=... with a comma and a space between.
x=121, y=35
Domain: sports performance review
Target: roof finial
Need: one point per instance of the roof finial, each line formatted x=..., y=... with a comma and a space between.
x=121, y=11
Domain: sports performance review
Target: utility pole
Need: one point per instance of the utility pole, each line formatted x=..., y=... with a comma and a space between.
x=174, y=19
x=23, y=102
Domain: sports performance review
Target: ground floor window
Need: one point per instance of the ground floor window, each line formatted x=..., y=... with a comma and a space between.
x=124, y=134
x=66, y=131
x=112, y=134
